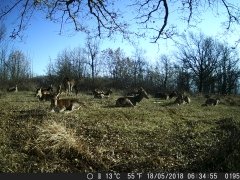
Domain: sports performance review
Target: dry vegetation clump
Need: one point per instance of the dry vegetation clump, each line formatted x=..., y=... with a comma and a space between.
x=53, y=137
x=59, y=143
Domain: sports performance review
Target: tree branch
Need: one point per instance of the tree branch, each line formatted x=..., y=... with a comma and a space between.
x=231, y=17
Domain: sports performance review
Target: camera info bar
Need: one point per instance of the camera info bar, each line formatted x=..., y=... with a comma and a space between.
x=123, y=176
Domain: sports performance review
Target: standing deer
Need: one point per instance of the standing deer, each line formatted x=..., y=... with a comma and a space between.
x=60, y=105
x=69, y=85
x=131, y=101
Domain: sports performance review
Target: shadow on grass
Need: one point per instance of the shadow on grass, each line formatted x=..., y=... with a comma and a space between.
x=32, y=113
x=225, y=156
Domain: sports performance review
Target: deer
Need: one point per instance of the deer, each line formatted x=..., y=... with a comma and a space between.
x=131, y=101
x=44, y=94
x=98, y=94
x=108, y=93
x=69, y=85
x=212, y=102
x=61, y=105
x=13, y=89
x=182, y=99
x=173, y=94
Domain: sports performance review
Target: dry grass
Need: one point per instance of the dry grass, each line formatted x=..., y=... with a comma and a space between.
x=99, y=137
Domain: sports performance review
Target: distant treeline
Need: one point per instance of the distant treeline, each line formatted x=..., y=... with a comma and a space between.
x=200, y=64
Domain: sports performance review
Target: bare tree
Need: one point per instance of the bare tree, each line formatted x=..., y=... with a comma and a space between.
x=183, y=78
x=3, y=54
x=105, y=18
x=139, y=65
x=228, y=71
x=18, y=66
x=165, y=72
x=79, y=60
x=92, y=50
x=64, y=65
x=2, y=32
x=200, y=55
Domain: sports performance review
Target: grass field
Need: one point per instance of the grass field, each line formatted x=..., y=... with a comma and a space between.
x=150, y=137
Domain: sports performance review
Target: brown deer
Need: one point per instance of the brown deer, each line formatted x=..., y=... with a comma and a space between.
x=13, y=89
x=44, y=94
x=69, y=85
x=131, y=101
x=108, y=93
x=98, y=94
x=173, y=94
x=211, y=102
x=182, y=99
x=60, y=105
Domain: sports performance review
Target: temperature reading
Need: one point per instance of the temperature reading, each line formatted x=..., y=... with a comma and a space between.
x=134, y=175
x=113, y=176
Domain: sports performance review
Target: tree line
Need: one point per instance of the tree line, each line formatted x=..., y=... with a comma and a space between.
x=200, y=64
x=15, y=66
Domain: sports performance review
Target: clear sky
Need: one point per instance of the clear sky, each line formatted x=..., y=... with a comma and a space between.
x=42, y=40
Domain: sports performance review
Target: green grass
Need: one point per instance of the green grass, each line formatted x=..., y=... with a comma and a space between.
x=99, y=137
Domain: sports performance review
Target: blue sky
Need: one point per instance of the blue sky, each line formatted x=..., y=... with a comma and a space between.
x=42, y=40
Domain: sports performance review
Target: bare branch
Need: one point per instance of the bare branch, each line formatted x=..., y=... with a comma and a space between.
x=9, y=10
x=70, y=15
x=165, y=21
x=231, y=17
x=20, y=27
x=152, y=15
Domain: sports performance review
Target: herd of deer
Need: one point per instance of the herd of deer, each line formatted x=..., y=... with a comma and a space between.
x=130, y=100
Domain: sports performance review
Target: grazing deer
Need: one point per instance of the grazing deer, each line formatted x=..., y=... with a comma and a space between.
x=13, y=89
x=44, y=95
x=131, y=101
x=60, y=105
x=161, y=95
x=212, y=102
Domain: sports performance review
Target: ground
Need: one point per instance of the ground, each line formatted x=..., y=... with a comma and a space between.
x=154, y=136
